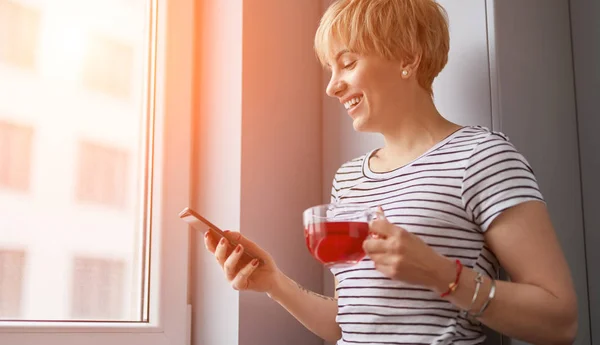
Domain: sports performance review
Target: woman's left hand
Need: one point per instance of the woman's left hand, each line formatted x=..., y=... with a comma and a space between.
x=401, y=255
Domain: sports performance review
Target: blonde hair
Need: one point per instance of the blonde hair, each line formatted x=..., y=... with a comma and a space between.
x=400, y=30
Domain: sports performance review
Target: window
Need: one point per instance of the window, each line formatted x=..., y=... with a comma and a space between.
x=97, y=289
x=19, y=31
x=15, y=155
x=102, y=175
x=100, y=225
x=81, y=167
x=108, y=66
x=12, y=265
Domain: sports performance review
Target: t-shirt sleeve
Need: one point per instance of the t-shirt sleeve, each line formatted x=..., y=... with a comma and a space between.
x=334, y=190
x=496, y=178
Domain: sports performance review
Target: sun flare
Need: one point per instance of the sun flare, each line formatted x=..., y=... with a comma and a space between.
x=63, y=45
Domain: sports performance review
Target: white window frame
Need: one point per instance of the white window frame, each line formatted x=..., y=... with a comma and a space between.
x=169, y=316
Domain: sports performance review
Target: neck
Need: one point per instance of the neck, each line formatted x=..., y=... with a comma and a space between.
x=421, y=126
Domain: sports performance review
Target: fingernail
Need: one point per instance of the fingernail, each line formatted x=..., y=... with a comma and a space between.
x=206, y=234
x=239, y=248
x=255, y=262
x=222, y=241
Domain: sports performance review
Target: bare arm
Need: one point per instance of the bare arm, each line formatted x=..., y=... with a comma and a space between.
x=316, y=312
x=539, y=305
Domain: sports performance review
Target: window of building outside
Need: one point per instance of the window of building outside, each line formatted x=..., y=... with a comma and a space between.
x=19, y=33
x=15, y=156
x=98, y=286
x=12, y=266
x=108, y=66
x=102, y=175
x=85, y=196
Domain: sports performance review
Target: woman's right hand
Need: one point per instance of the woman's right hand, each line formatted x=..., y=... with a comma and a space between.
x=315, y=312
x=254, y=275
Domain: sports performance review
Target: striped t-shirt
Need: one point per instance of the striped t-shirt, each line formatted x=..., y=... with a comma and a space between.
x=448, y=196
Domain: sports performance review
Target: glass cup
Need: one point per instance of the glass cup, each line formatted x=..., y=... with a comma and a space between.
x=334, y=233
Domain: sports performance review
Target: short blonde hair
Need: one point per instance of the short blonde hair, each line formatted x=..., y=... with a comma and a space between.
x=397, y=30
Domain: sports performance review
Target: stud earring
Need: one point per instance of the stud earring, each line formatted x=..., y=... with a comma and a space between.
x=404, y=73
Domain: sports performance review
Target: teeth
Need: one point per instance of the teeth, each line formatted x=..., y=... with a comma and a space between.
x=352, y=102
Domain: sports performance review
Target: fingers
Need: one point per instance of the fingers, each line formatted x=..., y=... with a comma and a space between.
x=241, y=280
x=386, y=259
x=221, y=251
x=248, y=245
x=393, y=243
x=210, y=241
x=374, y=245
x=231, y=258
x=387, y=270
x=231, y=263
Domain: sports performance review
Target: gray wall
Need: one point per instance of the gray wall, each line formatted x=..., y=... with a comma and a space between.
x=257, y=159
x=281, y=156
x=536, y=108
x=585, y=26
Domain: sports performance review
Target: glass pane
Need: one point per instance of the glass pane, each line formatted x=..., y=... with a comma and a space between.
x=74, y=121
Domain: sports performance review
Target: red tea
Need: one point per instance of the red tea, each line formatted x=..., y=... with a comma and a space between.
x=337, y=242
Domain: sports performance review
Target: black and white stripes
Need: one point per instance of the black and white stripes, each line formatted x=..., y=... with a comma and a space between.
x=449, y=197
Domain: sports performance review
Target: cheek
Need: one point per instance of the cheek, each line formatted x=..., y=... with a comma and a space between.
x=371, y=86
x=355, y=80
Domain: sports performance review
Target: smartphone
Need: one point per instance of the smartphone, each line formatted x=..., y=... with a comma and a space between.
x=203, y=225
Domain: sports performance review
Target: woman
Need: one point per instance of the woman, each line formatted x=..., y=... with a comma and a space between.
x=455, y=203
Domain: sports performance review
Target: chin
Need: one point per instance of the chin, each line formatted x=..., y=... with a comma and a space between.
x=361, y=124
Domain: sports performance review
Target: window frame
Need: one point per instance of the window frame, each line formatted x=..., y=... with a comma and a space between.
x=170, y=311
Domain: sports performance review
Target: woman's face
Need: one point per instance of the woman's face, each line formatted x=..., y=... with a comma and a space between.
x=371, y=88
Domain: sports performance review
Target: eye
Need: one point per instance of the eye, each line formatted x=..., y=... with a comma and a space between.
x=350, y=65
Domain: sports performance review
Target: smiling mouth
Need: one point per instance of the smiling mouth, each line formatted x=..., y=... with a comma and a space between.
x=351, y=104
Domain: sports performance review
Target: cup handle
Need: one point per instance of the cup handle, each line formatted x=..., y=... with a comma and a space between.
x=371, y=215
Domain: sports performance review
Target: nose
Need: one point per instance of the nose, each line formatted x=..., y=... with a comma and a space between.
x=335, y=86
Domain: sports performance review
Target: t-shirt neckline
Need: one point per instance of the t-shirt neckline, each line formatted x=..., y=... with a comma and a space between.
x=387, y=174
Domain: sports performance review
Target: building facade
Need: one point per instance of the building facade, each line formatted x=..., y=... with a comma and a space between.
x=71, y=158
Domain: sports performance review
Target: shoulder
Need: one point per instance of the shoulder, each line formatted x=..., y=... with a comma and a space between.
x=350, y=167
x=477, y=135
x=494, y=148
x=496, y=178
x=348, y=174
x=470, y=140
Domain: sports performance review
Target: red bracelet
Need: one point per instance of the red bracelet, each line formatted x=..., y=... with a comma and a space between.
x=452, y=286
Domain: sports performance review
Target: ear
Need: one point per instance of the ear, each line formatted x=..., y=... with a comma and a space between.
x=407, y=69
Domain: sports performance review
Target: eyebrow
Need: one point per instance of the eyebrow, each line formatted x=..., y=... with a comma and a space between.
x=340, y=53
